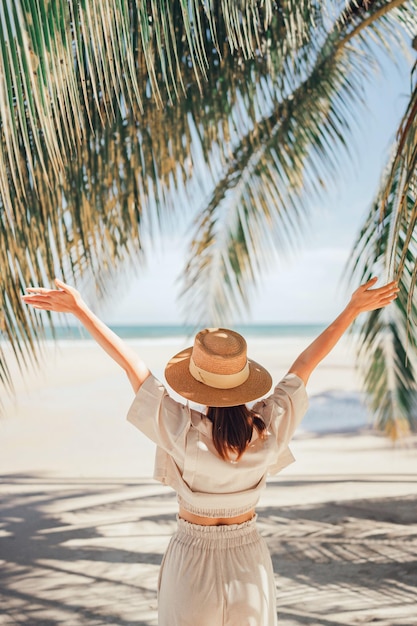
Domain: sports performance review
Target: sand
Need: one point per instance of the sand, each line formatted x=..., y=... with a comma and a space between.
x=83, y=526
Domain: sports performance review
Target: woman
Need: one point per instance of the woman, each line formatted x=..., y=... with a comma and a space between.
x=217, y=570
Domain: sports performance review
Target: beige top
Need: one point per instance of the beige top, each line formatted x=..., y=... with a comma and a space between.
x=186, y=459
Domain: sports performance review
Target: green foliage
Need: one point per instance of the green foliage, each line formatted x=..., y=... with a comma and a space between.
x=387, y=246
x=116, y=115
x=282, y=162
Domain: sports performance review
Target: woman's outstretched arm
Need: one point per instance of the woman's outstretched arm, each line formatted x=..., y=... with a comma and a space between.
x=363, y=299
x=66, y=299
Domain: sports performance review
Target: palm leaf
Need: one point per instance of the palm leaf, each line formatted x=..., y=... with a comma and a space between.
x=82, y=215
x=387, y=245
x=278, y=167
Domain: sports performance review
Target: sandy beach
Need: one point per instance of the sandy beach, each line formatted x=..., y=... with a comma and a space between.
x=83, y=526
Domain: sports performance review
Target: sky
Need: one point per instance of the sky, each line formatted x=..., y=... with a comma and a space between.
x=310, y=286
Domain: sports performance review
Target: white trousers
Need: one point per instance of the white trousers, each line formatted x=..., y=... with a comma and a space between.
x=217, y=576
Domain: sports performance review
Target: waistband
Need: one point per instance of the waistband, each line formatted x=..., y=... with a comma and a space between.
x=216, y=511
x=225, y=535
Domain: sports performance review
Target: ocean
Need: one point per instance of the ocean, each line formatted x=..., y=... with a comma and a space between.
x=148, y=331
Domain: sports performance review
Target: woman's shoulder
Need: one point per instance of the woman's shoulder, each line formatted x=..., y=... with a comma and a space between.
x=156, y=413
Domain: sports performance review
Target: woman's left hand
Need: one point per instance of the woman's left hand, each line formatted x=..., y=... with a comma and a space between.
x=367, y=299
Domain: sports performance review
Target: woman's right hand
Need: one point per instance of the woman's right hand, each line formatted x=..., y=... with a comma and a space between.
x=65, y=299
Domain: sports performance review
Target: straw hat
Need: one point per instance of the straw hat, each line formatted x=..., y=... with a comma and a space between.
x=215, y=371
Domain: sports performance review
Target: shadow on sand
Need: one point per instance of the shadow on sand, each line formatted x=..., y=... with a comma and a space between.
x=80, y=552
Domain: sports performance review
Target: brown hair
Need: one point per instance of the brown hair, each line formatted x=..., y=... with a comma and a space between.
x=233, y=428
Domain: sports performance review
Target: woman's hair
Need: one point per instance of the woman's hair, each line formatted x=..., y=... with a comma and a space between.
x=233, y=428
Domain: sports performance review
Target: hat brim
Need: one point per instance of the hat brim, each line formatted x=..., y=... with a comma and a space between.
x=178, y=377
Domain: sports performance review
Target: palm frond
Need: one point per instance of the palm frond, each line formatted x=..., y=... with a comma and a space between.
x=389, y=373
x=387, y=245
x=76, y=205
x=278, y=167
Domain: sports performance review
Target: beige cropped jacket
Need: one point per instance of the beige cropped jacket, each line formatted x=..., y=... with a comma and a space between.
x=186, y=458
